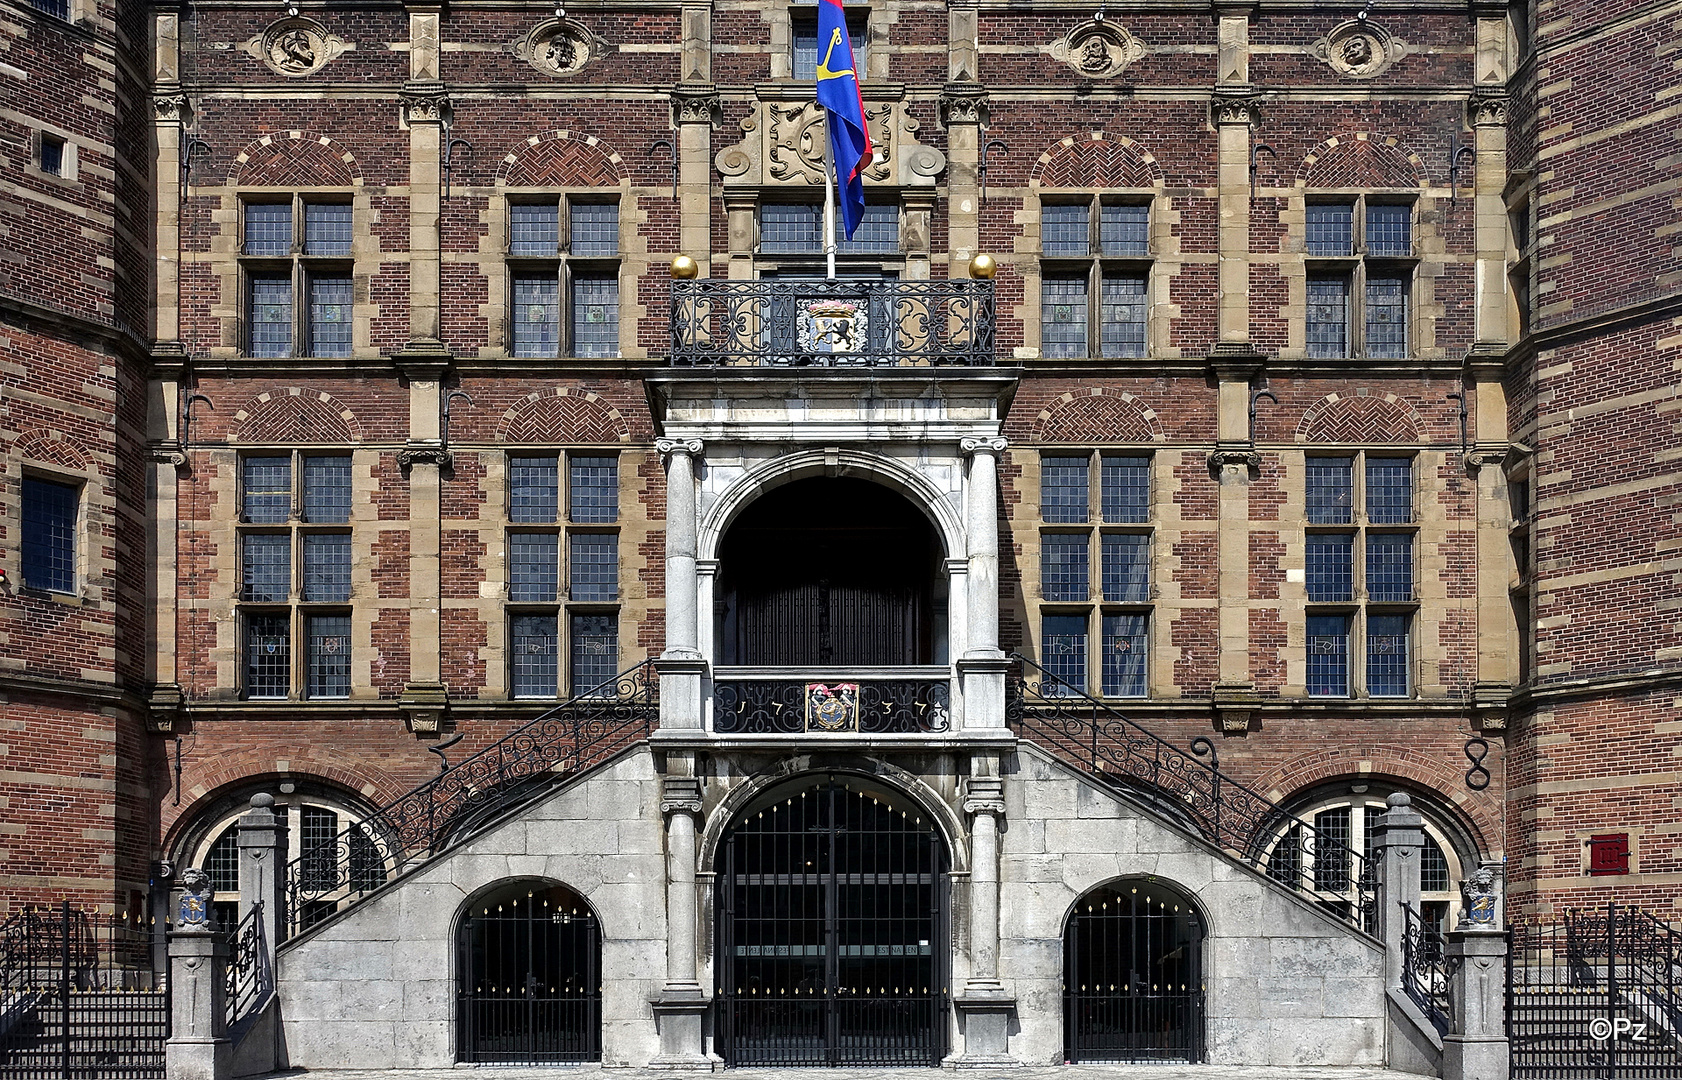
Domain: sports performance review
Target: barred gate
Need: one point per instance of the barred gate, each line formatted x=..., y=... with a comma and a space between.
x=80, y=998
x=1596, y=996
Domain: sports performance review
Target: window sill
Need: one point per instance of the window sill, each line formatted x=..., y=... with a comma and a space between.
x=52, y=596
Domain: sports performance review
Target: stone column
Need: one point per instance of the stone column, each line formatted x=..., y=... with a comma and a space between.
x=262, y=867
x=984, y=1004
x=426, y=109
x=682, y=667
x=982, y=666
x=679, y=1010
x=198, y=1047
x=1397, y=839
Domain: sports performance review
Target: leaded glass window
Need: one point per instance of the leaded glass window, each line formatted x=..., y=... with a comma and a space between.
x=268, y=654
x=1063, y=652
x=1064, y=488
x=329, y=656
x=593, y=494
x=1126, y=568
x=1063, y=566
x=1125, y=488
x=594, y=567
x=1387, y=655
x=49, y=534
x=1124, y=655
x=1328, y=655
x=595, y=653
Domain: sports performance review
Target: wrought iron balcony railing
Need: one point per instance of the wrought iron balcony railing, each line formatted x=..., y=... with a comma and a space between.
x=817, y=323
x=760, y=702
x=1083, y=730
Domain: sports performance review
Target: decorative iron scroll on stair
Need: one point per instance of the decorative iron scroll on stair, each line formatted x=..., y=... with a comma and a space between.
x=1086, y=732
x=574, y=735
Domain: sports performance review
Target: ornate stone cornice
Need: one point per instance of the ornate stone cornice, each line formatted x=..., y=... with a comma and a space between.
x=668, y=447
x=994, y=445
x=1487, y=108
x=423, y=104
x=695, y=103
x=963, y=103
x=1236, y=105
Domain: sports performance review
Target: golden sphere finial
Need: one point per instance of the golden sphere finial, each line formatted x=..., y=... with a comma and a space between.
x=684, y=268
x=983, y=266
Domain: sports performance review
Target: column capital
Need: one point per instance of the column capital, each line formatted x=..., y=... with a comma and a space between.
x=667, y=447
x=695, y=103
x=993, y=445
x=172, y=107
x=1487, y=108
x=963, y=103
x=1235, y=105
x=1235, y=459
x=425, y=103
x=419, y=454
x=680, y=795
x=984, y=795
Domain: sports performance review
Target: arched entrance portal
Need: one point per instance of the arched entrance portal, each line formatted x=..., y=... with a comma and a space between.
x=831, y=929
x=529, y=975
x=1133, y=976
x=829, y=572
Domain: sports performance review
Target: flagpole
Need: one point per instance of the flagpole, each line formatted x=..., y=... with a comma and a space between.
x=828, y=198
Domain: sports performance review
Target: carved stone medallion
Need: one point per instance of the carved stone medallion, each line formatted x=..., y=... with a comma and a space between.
x=559, y=47
x=1098, y=50
x=295, y=46
x=1359, y=49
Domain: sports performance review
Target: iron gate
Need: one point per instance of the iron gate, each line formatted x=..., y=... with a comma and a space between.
x=1133, y=976
x=1596, y=996
x=830, y=929
x=530, y=979
x=80, y=997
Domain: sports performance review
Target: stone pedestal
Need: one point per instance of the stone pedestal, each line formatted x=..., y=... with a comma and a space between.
x=984, y=1020
x=198, y=1047
x=1476, y=1046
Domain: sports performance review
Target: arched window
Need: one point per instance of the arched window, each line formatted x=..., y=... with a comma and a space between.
x=1350, y=818
x=1133, y=976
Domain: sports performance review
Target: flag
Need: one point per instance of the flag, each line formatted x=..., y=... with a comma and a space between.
x=843, y=106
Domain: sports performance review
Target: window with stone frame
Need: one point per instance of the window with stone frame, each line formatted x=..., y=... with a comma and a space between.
x=803, y=33
x=1347, y=820
x=1095, y=597
x=51, y=510
x=1359, y=571
x=1361, y=265
x=563, y=572
x=297, y=271
x=295, y=543
x=1095, y=269
x=563, y=276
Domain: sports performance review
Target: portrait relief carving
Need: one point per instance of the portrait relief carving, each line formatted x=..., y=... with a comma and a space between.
x=295, y=46
x=559, y=47
x=1359, y=49
x=1098, y=49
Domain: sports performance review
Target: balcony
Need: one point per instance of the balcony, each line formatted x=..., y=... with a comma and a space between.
x=836, y=324
x=908, y=700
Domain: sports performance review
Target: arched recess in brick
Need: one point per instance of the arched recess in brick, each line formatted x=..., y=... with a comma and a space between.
x=1096, y=415
x=1362, y=159
x=562, y=159
x=1431, y=782
x=565, y=416
x=1095, y=160
x=52, y=448
x=295, y=414
x=1361, y=417
x=295, y=159
x=230, y=777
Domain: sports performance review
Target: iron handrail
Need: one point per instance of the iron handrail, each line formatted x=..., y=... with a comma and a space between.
x=249, y=978
x=1073, y=724
x=585, y=729
x=1426, y=968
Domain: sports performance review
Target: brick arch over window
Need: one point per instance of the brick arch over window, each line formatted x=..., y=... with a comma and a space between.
x=295, y=159
x=52, y=447
x=562, y=159
x=295, y=414
x=1361, y=417
x=1096, y=416
x=1362, y=159
x=1096, y=160
x=566, y=416
x=354, y=788
x=1476, y=813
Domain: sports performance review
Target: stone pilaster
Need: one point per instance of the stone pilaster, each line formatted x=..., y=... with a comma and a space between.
x=1476, y=1046
x=1398, y=837
x=963, y=108
x=984, y=1003
x=262, y=866
x=982, y=666
x=694, y=110
x=1232, y=464
x=426, y=110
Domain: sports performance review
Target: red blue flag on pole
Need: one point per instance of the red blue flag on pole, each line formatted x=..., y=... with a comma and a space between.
x=843, y=104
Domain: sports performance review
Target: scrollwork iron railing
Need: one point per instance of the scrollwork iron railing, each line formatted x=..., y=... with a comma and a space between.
x=578, y=733
x=762, y=706
x=250, y=972
x=1426, y=968
x=846, y=323
x=1085, y=731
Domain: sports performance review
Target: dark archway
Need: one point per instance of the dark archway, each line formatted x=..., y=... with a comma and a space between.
x=529, y=977
x=829, y=572
x=1133, y=976
x=831, y=929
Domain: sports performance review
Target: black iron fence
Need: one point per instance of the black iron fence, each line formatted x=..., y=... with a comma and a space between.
x=580, y=732
x=762, y=706
x=530, y=983
x=250, y=972
x=1596, y=996
x=1089, y=733
x=1426, y=968
x=846, y=323
x=80, y=997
